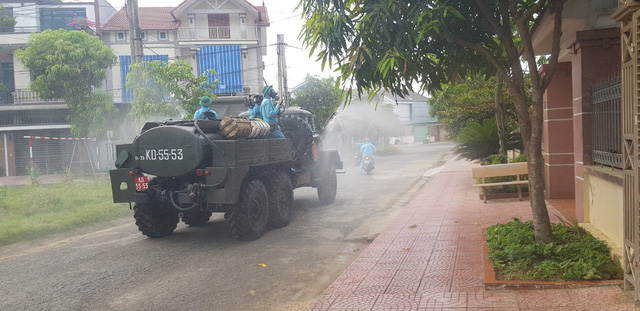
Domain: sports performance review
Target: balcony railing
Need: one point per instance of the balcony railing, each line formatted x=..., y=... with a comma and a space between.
x=218, y=33
x=8, y=97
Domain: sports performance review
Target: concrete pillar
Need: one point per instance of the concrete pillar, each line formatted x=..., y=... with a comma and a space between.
x=596, y=55
x=558, y=135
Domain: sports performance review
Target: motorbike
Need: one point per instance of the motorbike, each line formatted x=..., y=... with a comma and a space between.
x=368, y=165
x=357, y=158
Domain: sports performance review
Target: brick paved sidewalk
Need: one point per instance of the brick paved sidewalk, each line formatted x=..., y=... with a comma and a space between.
x=430, y=258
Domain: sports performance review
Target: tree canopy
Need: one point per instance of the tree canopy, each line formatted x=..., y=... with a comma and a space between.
x=468, y=100
x=320, y=97
x=71, y=65
x=167, y=90
x=389, y=44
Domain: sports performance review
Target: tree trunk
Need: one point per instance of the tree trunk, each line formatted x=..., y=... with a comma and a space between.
x=535, y=162
x=502, y=130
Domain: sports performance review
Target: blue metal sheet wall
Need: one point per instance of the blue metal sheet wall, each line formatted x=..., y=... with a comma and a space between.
x=125, y=62
x=226, y=60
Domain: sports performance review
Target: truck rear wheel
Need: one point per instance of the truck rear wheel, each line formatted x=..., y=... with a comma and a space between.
x=280, y=200
x=328, y=186
x=155, y=221
x=196, y=217
x=251, y=214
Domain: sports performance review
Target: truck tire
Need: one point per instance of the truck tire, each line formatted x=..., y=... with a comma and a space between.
x=280, y=200
x=196, y=217
x=296, y=129
x=328, y=186
x=155, y=221
x=251, y=214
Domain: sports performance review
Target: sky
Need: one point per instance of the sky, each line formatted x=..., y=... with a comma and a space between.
x=283, y=21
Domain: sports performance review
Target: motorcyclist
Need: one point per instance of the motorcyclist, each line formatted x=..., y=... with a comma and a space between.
x=368, y=150
x=205, y=105
x=356, y=151
x=271, y=113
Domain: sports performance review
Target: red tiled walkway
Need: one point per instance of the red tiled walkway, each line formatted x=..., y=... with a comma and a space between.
x=430, y=258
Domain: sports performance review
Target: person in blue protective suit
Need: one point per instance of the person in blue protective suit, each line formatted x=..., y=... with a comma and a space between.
x=367, y=149
x=254, y=109
x=271, y=113
x=205, y=105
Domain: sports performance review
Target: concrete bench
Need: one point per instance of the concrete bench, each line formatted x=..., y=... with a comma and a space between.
x=500, y=170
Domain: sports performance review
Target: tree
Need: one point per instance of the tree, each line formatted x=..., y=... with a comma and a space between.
x=71, y=65
x=468, y=100
x=388, y=44
x=167, y=90
x=320, y=97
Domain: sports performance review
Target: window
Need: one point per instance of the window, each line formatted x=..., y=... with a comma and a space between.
x=143, y=35
x=120, y=36
x=7, y=21
x=163, y=35
x=59, y=18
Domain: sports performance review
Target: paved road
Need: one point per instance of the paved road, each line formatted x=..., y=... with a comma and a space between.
x=113, y=267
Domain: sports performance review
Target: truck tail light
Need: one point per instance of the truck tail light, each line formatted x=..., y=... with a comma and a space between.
x=199, y=172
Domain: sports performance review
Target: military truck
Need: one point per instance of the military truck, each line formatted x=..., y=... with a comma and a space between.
x=187, y=170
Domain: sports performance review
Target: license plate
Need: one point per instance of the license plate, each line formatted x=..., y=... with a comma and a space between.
x=142, y=183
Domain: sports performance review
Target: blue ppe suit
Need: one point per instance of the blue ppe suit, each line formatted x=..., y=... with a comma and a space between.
x=270, y=115
x=367, y=149
x=254, y=112
x=199, y=115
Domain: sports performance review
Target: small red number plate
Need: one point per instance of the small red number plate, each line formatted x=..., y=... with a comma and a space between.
x=142, y=183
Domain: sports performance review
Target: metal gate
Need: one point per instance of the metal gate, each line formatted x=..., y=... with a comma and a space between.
x=628, y=15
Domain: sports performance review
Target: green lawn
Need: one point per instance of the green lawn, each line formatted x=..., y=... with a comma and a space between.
x=29, y=212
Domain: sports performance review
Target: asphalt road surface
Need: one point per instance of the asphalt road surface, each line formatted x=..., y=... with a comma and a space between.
x=112, y=266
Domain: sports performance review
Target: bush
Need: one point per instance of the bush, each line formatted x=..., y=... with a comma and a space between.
x=574, y=254
x=34, y=175
x=495, y=159
x=387, y=149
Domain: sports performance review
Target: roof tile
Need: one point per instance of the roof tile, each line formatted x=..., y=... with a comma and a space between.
x=154, y=18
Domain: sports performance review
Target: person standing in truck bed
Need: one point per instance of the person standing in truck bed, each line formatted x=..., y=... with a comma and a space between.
x=271, y=114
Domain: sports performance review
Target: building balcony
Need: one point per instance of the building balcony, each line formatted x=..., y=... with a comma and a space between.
x=19, y=97
x=218, y=33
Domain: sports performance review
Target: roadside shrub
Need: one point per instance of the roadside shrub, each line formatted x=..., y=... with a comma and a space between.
x=573, y=255
x=34, y=175
x=495, y=159
x=387, y=149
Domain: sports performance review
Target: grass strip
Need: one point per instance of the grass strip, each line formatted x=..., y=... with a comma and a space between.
x=574, y=254
x=29, y=212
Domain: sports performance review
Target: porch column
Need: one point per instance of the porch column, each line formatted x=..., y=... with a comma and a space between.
x=596, y=56
x=558, y=135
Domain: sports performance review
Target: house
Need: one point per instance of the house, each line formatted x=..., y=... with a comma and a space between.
x=591, y=124
x=227, y=36
x=413, y=113
x=22, y=113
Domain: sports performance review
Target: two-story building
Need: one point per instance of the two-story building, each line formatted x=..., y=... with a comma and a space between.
x=414, y=113
x=227, y=36
x=22, y=113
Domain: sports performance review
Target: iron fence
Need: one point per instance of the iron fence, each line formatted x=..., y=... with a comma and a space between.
x=607, y=128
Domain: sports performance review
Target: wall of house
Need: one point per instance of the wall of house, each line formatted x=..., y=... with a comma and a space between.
x=125, y=50
x=603, y=195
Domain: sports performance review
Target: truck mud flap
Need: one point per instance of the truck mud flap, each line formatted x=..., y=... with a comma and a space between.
x=123, y=186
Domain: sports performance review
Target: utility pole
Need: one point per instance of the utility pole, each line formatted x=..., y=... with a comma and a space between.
x=282, y=71
x=96, y=10
x=134, y=31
